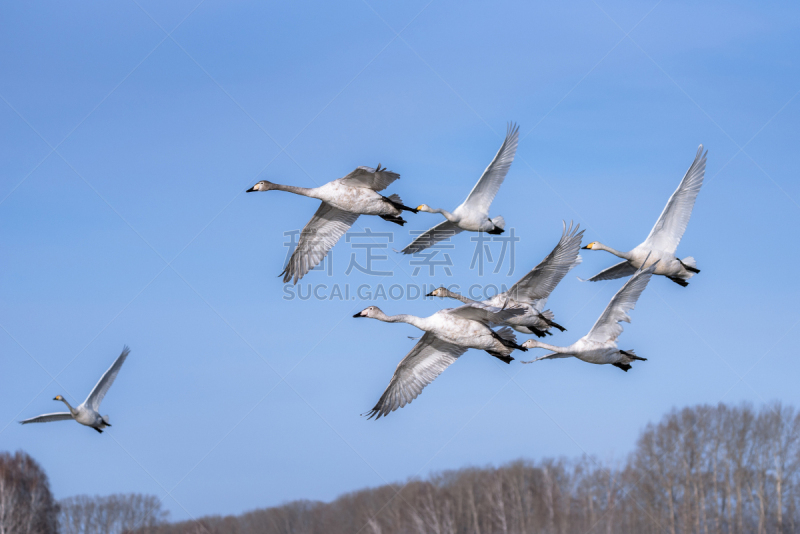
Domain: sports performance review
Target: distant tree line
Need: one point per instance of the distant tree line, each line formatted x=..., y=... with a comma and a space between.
x=114, y=514
x=28, y=507
x=704, y=470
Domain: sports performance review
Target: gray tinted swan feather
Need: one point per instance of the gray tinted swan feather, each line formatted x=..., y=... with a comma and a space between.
x=343, y=200
x=448, y=335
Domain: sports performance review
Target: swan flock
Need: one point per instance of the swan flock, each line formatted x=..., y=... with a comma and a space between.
x=487, y=325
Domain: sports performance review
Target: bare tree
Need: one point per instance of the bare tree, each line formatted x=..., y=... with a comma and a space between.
x=113, y=514
x=26, y=504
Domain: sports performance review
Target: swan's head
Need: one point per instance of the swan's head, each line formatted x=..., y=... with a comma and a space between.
x=58, y=397
x=263, y=185
x=372, y=312
x=530, y=344
x=593, y=245
x=438, y=292
x=424, y=207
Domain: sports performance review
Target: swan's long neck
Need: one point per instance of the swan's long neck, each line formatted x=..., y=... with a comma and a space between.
x=447, y=215
x=71, y=409
x=560, y=350
x=402, y=318
x=615, y=252
x=462, y=298
x=305, y=191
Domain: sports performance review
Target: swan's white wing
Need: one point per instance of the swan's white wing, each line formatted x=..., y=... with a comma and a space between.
x=317, y=238
x=429, y=357
x=551, y=356
x=543, y=279
x=669, y=229
x=101, y=388
x=440, y=232
x=477, y=311
x=607, y=327
x=48, y=417
x=620, y=270
x=482, y=195
x=376, y=179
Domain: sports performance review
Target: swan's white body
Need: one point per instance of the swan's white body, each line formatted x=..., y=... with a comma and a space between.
x=343, y=200
x=661, y=244
x=87, y=413
x=599, y=346
x=531, y=292
x=473, y=214
x=448, y=335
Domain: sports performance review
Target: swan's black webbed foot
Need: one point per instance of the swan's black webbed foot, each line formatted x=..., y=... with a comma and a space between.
x=688, y=267
x=97, y=429
x=623, y=366
x=539, y=333
x=495, y=231
x=632, y=355
x=508, y=343
x=679, y=281
x=506, y=359
x=396, y=220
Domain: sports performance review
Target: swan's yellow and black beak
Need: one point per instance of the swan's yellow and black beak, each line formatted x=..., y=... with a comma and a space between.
x=587, y=247
x=359, y=314
x=57, y=397
x=431, y=294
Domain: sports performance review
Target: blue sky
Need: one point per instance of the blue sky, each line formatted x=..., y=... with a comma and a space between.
x=131, y=130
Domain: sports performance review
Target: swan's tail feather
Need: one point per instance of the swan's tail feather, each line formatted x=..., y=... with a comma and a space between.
x=499, y=225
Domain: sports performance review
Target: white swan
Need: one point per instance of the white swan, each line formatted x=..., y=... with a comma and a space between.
x=663, y=240
x=473, y=213
x=600, y=344
x=87, y=413
x=530, y=293
x=343, y=200
x=448, y=335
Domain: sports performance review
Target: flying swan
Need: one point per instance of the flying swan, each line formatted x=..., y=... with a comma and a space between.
x=87, y=413
x=663, y=240
x=473, y=213
x=448, y=335
x=343, y=200
x=600, y=344
x=530, y=293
